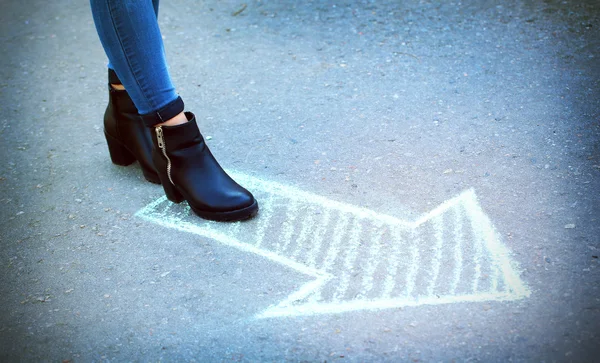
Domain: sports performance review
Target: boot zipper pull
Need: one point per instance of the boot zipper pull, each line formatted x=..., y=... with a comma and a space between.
x=161, y=145
x=159, y=137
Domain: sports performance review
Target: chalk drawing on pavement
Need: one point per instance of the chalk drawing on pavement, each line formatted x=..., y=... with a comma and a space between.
x=359, y=259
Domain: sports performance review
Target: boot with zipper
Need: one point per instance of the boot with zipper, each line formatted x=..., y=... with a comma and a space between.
x=188, y=171
x=127, y=137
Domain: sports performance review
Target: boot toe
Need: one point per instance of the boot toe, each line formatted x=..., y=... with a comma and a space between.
x=227, y=201
x=233, y=207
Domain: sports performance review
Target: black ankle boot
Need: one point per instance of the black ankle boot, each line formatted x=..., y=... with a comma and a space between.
x=127, y=137
x=189, y=171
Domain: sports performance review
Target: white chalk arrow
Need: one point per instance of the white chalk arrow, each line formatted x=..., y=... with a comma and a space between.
x=359, y=259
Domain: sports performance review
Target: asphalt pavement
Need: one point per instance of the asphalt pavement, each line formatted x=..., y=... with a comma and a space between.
x=428, y=175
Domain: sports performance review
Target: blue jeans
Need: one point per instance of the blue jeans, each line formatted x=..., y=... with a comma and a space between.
x=129, y=33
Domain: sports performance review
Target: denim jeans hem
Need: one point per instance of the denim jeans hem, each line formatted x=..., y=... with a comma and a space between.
x=167, y=112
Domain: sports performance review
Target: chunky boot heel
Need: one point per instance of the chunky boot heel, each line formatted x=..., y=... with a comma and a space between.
x=127, y=137
x=171, y=192
x=189, y=171
x=118, y=152
x=150, y=176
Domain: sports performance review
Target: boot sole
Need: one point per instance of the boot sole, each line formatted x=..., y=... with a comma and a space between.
x=229, y=216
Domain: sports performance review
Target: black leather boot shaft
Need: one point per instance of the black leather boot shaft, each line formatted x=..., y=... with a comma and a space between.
x=197, y=176
x=127, y=137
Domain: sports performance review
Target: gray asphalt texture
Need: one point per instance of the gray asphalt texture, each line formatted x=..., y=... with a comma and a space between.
x=391, y=106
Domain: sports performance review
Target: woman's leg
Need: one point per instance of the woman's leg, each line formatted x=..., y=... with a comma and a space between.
x=113, y=79
x=129, y=33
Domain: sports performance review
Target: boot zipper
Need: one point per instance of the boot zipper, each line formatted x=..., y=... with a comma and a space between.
x=163, y=147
